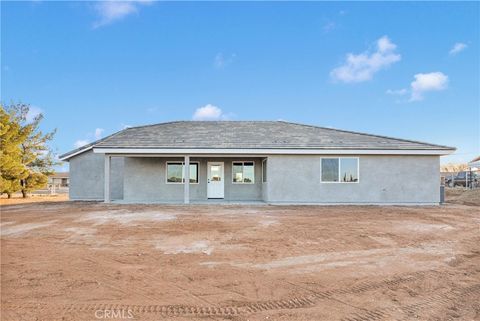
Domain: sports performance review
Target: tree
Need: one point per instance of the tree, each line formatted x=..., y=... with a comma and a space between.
x=452, y=167
x=11, y=168
x=31, y=150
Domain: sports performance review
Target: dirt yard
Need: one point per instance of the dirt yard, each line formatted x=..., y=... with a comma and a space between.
x=463, y=196
x=17, y=199
x=91, y=261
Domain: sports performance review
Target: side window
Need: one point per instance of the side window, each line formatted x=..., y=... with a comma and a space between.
x=339, y=170
x=330, y=169
x=176, y=172
x=243, y=172
x=349, y=170
x=193, y=173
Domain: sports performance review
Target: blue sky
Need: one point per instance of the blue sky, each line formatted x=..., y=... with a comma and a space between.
x=402, y=69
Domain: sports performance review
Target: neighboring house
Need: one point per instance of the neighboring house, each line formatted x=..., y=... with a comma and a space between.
x=269, y=161
x=57, y=184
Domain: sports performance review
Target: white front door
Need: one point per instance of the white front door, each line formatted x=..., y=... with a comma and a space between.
x=215, y=180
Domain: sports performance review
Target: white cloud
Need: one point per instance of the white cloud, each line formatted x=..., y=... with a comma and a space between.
x=362, y=67
x=98, y=133
x=434, y=81
x=111, y=11
x=209, y=112
x=81, y=142
x=399, y=92
x=221, y=61
x=457, y=48
x=33, y=112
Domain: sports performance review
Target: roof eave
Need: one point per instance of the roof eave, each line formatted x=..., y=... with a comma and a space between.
x=271, y=151
x=66, y=157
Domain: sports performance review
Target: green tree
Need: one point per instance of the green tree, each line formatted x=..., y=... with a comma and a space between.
x=35, y=155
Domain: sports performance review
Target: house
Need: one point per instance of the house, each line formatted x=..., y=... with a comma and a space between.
x=57, y=183
x=269, y=161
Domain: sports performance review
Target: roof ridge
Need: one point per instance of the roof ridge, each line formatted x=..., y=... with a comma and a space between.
x=367, y=134
x=156, y=124
x=205, y=121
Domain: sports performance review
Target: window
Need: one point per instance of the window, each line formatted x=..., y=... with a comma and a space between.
x=349, y=170
x=330, y=168
x=339, y=170
x=216, y=173
x=176, y=173
x=243, y=172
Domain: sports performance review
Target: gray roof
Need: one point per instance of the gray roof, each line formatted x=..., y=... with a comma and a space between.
x=251, y=135
x=60, y=175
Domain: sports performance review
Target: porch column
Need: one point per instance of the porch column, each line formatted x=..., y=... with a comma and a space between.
x=186, y=192
x=106, y=190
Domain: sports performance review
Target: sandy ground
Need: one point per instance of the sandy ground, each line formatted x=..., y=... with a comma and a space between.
x=452, y=195
x=463, y=196
x=92, y=261
x=17, y=199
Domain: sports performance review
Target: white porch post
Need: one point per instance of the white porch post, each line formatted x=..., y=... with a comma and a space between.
x=186, y=192
x=107, y=178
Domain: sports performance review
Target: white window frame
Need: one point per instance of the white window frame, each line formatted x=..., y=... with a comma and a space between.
x=264, y=161
x=183, y=172
x=243, y=164
x=340, y=170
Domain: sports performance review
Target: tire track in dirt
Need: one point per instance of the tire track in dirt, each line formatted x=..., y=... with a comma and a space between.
x=245, y=308
x=432, y=301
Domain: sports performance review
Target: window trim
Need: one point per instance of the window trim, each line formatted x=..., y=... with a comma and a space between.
x=183, y=164
x=340, y=170
x=243, y=162
x=264, y=162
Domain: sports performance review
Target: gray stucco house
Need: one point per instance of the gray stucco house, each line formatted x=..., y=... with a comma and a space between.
x=269, y=161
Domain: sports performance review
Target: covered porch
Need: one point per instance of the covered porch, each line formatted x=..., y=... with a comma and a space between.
x=213, y=179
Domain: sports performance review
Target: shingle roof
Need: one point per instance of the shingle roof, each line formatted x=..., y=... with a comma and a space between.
x=251, y=135
x=60, y=175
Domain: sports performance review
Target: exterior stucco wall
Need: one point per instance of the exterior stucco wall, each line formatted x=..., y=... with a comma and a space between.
x=382, y=180
x=87, y=177
x=290, y=179
x=145, y=180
